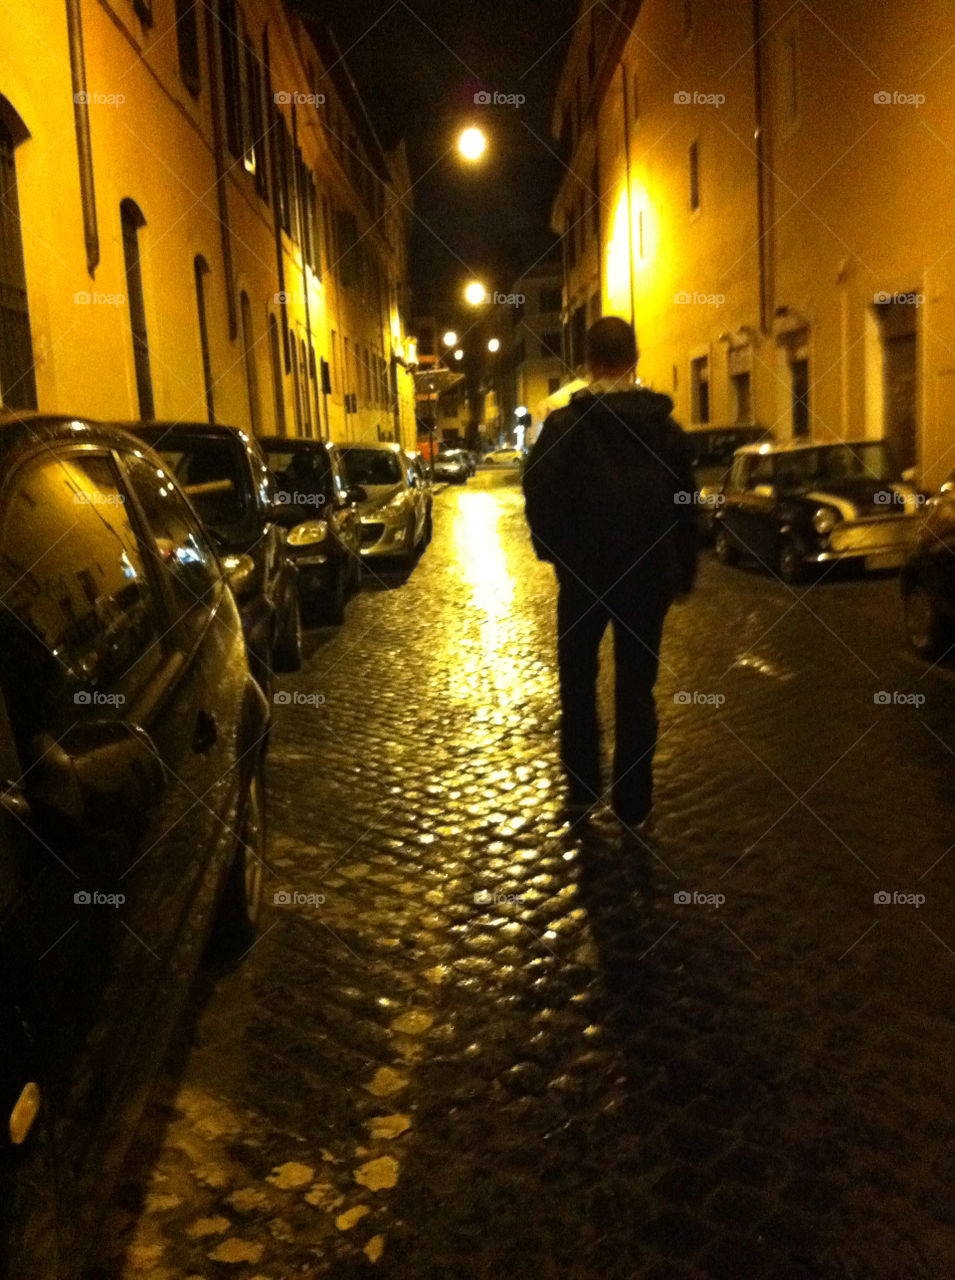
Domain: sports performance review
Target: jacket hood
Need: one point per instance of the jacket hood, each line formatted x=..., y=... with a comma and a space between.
x=638, y=400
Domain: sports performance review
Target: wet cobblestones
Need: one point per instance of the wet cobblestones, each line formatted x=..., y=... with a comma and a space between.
x=501, y=1045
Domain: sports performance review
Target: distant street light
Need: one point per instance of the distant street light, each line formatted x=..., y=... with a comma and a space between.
x=459, y=354
x=475, y=293
x=472, y=144
x=494, y=344
x=450, y=338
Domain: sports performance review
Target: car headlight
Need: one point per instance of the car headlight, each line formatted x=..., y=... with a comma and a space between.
x=307, y=534
x=825, y=520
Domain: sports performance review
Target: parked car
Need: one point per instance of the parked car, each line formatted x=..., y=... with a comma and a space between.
x=452, y=467
x=226, y=476
x=927, y=580
x=790, y=506
x=396, y=515
x=132, y=745
x=325, y=543
x=712, y=451
x=467, y=457
x=504, y=457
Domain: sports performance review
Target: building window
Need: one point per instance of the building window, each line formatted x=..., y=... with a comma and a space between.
x=201, y=270
x=550, y=345
x=306, y=399
x=132, y=219
x=700, y=389
x=251, y=368
x=694, y=176
x=17, y=378
x=550, y=299
x=742, y=397
x=799, y=373
x=278, y=389
x=187, y=38
x=144, y=11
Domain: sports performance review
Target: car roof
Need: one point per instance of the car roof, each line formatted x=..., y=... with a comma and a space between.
x=385, y=446
x=800, y=446
x=21, y=429
x=293, y=442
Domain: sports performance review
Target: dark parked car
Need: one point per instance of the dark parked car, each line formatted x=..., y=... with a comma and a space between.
x=463, y=455
x=325, y=543
x=712, y=451
x=927, y=580
x=451, y=466
x=226, y=476
x=132, y=742
x=796, y=505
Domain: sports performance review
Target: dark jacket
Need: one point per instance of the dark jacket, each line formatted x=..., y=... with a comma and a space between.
x=609, y=489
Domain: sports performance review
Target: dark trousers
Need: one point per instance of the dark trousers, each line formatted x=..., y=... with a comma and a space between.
x=637, y=619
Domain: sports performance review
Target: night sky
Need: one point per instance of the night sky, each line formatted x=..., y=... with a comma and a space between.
x=418, y=67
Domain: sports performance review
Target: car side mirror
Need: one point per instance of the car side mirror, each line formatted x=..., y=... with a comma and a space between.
x=239, y=572
x=356, y=493
x=99, y=775
x=287, y=514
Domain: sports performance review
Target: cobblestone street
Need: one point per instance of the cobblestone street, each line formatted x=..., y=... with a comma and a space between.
x=474, y=1042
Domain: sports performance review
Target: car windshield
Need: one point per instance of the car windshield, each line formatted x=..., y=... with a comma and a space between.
x=299, y=471
x=835, y=464
x=208, y=471
x=371, y=466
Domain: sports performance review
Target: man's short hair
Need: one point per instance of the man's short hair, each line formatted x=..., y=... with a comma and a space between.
x=611, y=343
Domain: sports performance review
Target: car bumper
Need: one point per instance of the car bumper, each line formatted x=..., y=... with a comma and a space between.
x=882, y=543
x=382, y=538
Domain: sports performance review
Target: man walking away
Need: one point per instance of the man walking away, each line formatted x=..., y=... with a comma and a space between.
x=608, y=490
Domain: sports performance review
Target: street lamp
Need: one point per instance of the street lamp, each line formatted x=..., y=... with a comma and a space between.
x=450, y=338
x=472, y=144
x=459, y=354
x=494, y=345
x=475, y=293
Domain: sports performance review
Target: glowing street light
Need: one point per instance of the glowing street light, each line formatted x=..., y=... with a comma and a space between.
x=475, y=293
x=450, y=338
x=459, y=354
x=494, y=344
x=472, y=144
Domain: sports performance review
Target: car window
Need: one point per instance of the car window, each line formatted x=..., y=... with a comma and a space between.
x=81, y=623
x=302, y=476
x=210, y=472
x=739, y=473
x=371, y=466
x=183, y=551
x=339, y=481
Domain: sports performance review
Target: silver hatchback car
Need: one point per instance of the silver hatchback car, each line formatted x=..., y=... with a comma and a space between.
x=396, y=510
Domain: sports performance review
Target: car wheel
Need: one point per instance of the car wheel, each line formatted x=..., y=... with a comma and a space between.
x=288, y=643
x=239, y=908
x=924, y=625
x=726, y=552
x=789, y=563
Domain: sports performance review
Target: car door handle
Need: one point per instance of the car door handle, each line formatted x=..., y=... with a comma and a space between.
x=207, y=733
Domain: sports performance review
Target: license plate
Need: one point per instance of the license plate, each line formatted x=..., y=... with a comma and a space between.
x=885, y=560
